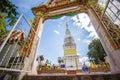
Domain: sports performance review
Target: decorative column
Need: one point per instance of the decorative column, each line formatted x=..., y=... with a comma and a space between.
x=38, y=27
x=35, y=34
x=76, y=64
x=106, y=40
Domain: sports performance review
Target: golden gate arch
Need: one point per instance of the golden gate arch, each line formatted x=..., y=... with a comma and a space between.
x=108, y=32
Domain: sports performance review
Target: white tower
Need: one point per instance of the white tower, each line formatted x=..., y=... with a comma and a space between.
x=71, y=58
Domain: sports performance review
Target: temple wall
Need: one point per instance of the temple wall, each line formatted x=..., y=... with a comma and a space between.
x=112, y=54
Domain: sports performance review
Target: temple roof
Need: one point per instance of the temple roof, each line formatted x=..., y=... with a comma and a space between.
x=16, y=36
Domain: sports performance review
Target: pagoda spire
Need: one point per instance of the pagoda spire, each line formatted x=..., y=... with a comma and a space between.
x=66, y=25
x=69, y=42
x=67, y=33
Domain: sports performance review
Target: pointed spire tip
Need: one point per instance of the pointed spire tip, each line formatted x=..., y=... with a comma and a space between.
x=66, y=25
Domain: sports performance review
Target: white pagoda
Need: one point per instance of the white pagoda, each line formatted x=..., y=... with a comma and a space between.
x=71, y=59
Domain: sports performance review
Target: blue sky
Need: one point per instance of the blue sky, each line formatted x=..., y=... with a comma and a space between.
x=51, y=45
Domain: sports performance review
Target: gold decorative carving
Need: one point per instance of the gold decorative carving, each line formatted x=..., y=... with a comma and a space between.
x=91, y=2
x=113, y=30
x=60, y=3
x=39, y=14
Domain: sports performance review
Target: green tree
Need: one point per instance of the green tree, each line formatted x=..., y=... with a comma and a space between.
x=60, y=60
x=9, y=11
x=8, y=16
x=2, y=28
x=47, y=62
x=96, y=51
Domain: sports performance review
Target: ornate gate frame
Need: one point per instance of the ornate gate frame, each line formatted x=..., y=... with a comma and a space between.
x=73, y=7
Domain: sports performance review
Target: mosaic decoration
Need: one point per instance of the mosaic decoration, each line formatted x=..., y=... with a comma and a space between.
x=72, y=14
x=56, y=17
x=54, y=3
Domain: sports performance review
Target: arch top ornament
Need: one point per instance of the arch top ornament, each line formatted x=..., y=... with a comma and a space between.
x=59, y=8
x=39, y=14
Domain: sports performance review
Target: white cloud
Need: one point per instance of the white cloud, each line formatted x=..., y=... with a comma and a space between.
x=82, y=21
x=62, y=18
x=53, y=20
x=60, y=23
x=78, y=39
x=57, y=32
x=85, y=60
x=87, y=41
x=87, y=63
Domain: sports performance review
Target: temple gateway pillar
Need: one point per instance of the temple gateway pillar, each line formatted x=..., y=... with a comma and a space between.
x=37, y=43
x=113, y=54
x=111, y=44
x=36, y=32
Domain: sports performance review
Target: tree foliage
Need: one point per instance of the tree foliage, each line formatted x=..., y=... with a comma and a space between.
x=8, y=16
x=60, y=60
x=2, y=28
x=2, y=24
x=9, y=11
x=47, y=62
x=96, y=51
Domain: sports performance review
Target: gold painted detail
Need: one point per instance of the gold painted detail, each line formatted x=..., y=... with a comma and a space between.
x=91, y=2
x=27, y=44
x=99, y=9
x=76, y=61
x=71, y=51
x=39, y=14
x=99, y=67
x=25, y=50
x=64, y=2
x=112, y=30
